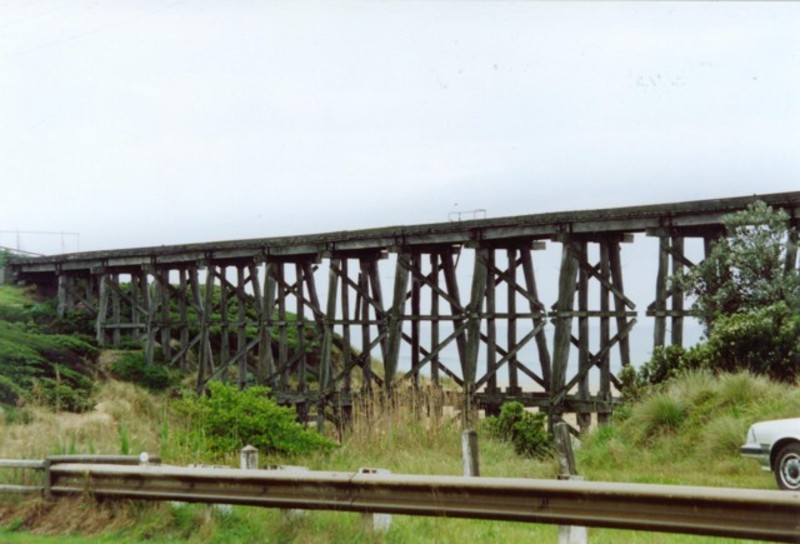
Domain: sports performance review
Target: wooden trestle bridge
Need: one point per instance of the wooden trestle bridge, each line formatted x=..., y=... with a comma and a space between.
x=256, y=308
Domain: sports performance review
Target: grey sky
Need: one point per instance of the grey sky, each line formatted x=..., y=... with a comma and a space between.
x=148, y=123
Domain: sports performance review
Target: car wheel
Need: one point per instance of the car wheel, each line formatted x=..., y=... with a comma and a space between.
x=787, y=467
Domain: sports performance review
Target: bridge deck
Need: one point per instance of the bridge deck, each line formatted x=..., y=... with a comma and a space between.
x=697, y=214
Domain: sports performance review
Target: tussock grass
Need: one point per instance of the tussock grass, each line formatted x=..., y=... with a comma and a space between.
x=689, y=432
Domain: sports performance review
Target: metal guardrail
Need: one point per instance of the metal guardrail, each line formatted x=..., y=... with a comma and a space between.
x=45, y=464
x=25, y=464
x=738, y=513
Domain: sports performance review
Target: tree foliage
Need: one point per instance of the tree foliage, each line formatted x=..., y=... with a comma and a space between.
x=749, y=268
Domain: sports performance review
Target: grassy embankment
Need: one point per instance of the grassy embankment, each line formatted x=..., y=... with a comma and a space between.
x=686, y=434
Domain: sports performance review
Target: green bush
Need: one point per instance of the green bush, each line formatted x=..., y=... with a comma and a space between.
x=525, y=430
x=227, y=419
x=764, y=341
x=668, y=362
x=132, y=367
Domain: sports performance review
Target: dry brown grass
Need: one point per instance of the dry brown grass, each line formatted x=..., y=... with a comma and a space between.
x=121, y=408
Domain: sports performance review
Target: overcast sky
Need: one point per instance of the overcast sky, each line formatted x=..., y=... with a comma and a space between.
x=147, y=122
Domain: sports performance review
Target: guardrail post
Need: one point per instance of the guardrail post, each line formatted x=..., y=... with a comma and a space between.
x=568, y=534
x=376, y=522
x=48, y=482
x=290, y=513
x=248, y=458
x=469, y=453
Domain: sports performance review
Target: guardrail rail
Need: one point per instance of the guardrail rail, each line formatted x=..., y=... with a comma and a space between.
x=737, y=513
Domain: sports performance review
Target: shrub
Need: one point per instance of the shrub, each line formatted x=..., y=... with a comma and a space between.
x=227, y=419
x=764, y=341
x=668, y=362
x=525, y=430
x=132, y=367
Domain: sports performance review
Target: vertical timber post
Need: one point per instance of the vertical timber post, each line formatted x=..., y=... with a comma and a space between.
x=677, y=295
x=416, y=288
x=434, y=320
x=395, y=325
x=266, y=360
x=166, y=332
x=224, y=324
x=491, y=332
x=362, y=304
x=474, y=311
x=206, y=355
x=605, y=325
x=102, y=310
x=184, y=317
x=615, y=262
x=563, y=326
x=241, y=334
x=584, y=356
x=661, y=291
x=327, y=344
x=513, y=377
x=116, y=314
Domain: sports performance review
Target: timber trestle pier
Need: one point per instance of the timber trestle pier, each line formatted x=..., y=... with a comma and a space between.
x=309, y=315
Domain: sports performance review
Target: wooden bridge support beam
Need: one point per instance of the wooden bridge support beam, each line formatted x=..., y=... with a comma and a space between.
x=562, y=336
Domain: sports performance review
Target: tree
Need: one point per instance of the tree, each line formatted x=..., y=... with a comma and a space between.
x=751, y=267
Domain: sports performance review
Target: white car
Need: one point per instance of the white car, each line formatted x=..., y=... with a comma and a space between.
x=776, y=445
